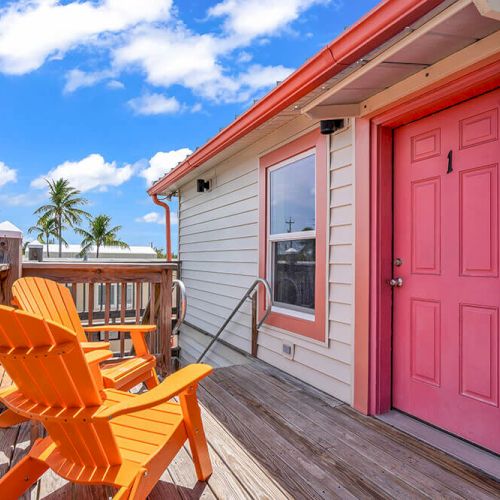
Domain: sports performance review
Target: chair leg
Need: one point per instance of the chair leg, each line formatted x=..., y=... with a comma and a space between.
x=133, y=491
x=23, y=475
x=196, y=434
x=152, y=381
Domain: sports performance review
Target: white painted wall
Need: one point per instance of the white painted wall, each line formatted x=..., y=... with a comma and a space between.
x=218, y=248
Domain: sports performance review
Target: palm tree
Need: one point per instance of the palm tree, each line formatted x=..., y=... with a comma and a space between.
x=160, y=253
x=64, y=207
x=45, y=229
x=100, y=234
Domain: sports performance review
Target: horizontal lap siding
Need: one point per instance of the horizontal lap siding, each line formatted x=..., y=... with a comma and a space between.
x=219, y=253
x=341, y=263
x=218, y=248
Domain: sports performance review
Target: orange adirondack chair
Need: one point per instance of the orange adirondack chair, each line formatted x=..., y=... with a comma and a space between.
x=53, y=301
x=95, y=435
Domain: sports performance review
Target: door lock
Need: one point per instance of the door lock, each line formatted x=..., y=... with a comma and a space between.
x=396, y=282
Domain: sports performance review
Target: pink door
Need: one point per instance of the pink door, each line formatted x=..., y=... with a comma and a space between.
x=446, y=345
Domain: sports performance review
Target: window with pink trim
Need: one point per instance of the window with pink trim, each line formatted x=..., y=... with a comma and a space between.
x=292, y=256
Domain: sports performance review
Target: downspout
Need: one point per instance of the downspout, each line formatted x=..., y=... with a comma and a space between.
x=156, y=201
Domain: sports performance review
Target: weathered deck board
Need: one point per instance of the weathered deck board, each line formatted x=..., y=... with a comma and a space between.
x=274, y=437
x=370, y=440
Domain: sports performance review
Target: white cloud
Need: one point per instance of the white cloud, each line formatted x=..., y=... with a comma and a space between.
x=7, y=174
x=115, y=85
x=247, y=19
x=258, y=77
x=161, y=163
x=175, y=56
x=29, y=199
x=193, y=61
x=154, y=104
x=147, y=36
x=32, y=31
x=92, y=172
x=77, y=78
x=244, y=57
x=157, y=218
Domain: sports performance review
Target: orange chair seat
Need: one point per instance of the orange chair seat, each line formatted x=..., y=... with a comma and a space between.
x=140, y=436
x=128, y=373
x=145, y=432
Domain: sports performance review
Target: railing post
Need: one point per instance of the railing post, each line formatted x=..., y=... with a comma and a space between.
x=10, y=259
x=255, y=330
x=165, y=320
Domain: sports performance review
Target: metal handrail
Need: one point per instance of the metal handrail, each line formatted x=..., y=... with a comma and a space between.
x=183, y=305
x=253, y=286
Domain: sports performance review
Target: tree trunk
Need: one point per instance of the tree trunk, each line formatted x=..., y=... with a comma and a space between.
x=59, y=232
x=47, y=240
x=97, y=252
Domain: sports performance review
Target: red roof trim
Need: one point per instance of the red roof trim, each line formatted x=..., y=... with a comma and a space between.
x=379, y=25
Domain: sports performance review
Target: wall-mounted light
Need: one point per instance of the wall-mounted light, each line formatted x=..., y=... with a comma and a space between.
x=328, y=127
x=202, y=185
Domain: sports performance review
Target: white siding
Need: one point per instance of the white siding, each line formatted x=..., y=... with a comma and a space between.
x=218, y=248
x=219, y=252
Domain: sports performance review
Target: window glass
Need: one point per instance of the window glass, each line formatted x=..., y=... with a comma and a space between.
x=292, y=197
x=294, y=263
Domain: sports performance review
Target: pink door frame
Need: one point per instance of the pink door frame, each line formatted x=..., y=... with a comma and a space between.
x=373, y=259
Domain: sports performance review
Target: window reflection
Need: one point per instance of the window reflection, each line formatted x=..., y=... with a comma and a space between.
x=294, y=273
x=292, y=197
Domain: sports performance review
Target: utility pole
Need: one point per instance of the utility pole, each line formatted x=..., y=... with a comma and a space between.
x=289, y=222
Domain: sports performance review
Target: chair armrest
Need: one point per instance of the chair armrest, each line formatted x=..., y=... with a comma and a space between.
x=94, y=346
x=137, y=333
x=97, y=356
x=120, y=328
x=173, y=385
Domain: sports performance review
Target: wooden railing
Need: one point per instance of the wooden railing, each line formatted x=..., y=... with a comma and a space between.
x=120, y=293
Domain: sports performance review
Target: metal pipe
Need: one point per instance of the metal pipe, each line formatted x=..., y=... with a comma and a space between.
x=160, y=203
x=258, y=281
x=183, y=305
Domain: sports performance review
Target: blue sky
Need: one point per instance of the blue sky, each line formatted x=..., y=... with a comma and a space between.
x=111, y=94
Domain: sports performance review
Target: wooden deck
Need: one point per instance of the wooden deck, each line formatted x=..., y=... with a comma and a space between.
x=272, y=436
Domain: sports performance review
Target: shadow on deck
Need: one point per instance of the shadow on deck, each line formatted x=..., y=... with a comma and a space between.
x=272, y=436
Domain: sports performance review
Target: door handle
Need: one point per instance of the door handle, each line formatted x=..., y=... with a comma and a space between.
x=396, y=282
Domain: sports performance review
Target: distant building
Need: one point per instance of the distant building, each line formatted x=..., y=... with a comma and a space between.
x=72, y=252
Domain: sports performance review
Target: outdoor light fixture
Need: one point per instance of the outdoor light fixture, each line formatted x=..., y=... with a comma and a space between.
x=202, y=185
x=328, y=127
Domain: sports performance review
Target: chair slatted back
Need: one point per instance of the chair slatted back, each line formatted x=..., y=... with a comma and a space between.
x=48, y=299
x=46, y=362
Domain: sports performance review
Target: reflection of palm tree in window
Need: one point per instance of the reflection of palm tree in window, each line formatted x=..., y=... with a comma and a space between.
x=289, y=222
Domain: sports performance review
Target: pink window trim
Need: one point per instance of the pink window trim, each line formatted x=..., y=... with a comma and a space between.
x=314, y=329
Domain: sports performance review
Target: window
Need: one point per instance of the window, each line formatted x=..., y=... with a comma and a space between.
x=293, y=186
x=292, y=233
